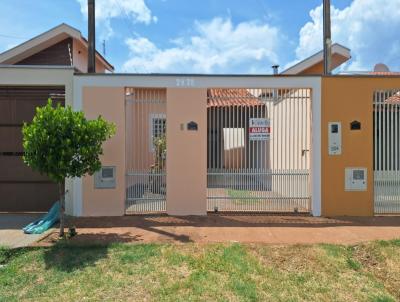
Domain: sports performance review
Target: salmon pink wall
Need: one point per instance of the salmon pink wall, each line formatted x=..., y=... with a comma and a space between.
x=186, y=152
x=109, y=103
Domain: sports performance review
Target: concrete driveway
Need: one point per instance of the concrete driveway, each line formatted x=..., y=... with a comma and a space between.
x=11, y=234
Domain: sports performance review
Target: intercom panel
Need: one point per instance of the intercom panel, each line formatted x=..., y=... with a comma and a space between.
x=335, y=138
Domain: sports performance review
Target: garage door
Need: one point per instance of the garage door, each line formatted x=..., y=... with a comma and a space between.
x=21, y=189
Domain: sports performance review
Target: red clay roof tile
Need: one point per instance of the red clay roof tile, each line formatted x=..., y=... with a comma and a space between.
x=395, y=99
x=231, y=97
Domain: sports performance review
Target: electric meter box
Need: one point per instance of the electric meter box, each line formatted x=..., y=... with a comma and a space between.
x=105, y=178
x=356, y=179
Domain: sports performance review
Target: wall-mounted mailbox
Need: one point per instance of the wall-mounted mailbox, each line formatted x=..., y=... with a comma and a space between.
x=335, y=138
x=356, y=179
x=105, y=178
x=192, y=126
x=355, y=125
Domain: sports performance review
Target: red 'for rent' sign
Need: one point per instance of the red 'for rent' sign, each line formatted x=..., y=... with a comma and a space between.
x=259, y=129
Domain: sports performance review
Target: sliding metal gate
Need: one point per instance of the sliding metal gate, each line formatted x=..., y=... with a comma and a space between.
x=259, y=150
x=387, y=152
x=145, y=151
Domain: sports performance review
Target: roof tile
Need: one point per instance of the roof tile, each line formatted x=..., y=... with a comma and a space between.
x=231, y=97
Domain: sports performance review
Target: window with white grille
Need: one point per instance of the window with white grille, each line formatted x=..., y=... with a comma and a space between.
x=157, y=127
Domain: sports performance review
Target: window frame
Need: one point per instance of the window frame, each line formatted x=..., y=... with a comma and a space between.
x=152, y=118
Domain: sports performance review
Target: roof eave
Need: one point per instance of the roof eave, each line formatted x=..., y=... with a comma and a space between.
x=315, y=59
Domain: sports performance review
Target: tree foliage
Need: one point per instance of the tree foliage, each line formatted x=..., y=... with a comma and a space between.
x=62, y=143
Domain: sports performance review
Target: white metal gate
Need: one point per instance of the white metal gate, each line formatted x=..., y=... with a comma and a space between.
x=145, y=150
x=259, y=150
x=387, y=152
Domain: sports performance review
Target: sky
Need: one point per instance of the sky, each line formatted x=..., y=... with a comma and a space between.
x=215, y=36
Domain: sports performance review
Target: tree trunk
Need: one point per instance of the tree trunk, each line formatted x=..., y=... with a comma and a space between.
x=62, y=208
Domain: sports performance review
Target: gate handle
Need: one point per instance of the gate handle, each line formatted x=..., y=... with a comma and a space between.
x=303, y=152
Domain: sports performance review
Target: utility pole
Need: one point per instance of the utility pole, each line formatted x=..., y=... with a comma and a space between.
x=91, y=37
x=327, y=38
x=104, y=48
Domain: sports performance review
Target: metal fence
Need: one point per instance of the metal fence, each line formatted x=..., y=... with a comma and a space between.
x=258, y=150
x=387, y=151
x=145, y=151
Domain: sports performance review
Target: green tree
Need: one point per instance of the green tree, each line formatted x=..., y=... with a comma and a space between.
x=62, y=143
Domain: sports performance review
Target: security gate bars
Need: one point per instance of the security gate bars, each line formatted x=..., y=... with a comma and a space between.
x=258, y=150
x=145, y=150
x=387, y=152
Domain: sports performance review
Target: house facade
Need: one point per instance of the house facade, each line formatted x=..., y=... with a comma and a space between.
x=185, y=144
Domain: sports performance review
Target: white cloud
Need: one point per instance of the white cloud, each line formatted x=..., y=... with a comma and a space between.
x=134, y=10
x=216, y=46
x=368, y=27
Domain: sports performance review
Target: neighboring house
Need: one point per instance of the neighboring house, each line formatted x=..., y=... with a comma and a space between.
x=21, y=189
x=62, y=45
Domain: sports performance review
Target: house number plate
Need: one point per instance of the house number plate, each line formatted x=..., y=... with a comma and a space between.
x=185, y=82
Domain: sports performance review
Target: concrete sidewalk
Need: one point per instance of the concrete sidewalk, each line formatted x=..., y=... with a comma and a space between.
x=236, y=228
x=11, y=234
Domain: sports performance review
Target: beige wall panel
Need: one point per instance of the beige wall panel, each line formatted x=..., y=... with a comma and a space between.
x=187, y=152
x=109, y=103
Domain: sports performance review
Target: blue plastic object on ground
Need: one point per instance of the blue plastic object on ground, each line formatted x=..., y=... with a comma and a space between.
x=46, y=222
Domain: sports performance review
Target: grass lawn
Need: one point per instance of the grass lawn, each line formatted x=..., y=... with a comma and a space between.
x=193, y=272
x=241, y=196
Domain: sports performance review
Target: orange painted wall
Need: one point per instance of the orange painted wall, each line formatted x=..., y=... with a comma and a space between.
x=345, y=99
x=109, y=103
x=186, y=152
